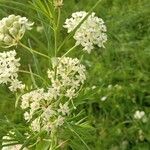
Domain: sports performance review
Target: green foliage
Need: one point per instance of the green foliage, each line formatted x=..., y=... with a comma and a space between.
x=120, y=72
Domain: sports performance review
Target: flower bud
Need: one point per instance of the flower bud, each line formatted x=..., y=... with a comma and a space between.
x=13, y=31
x=8, y=39
x=16, y=25
x=58, y=3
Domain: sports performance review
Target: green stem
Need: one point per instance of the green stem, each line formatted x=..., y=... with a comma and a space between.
x=27, y=72
x=72, y=48
x=58, y=19
x=34, y=51
x=55, y=36
x=72, y=130
x=64, y=56
x=56, y=30
x=54, y=140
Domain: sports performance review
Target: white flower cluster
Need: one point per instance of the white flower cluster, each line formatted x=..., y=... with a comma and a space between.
x=48, y=109
x=9, y=141
x=42, y=111
x=140, y=115
x=9, y=67
x=68, y=76
x=91, y=32
x=12, y=29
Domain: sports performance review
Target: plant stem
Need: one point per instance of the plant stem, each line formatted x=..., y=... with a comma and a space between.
x=55, y=35
x=54, y=140
x=72, y=130
x=72, y=48
x=34, y=51
x=27, y=72
x=56, y=30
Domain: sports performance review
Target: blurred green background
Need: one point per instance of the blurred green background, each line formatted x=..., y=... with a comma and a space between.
x=120, y=72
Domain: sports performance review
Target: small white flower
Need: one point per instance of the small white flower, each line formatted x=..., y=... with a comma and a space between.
x=39, y=29
x=27, y=116
x=32, y=100
x=54, y=92
x=64, y=109
x=58, y=3
x=48, y=112
x=141, y=135
x=59, y=121
x=15, y=85
x=109, y=86
x=139, y=114
x=93, y=87
x=70, y=93
x=103, y=98
x=35, y=125
x=91, y=32
x=119, y=87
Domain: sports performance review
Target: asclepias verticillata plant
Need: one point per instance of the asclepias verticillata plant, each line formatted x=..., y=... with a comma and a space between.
x=47, y=109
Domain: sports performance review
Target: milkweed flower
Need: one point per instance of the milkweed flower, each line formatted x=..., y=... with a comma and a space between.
x=16, y=84
x=49, y=115
x=104, y=98
x=12, y=29
x=32, y=102
x=67, y=76
x=139, y=114
x=44, y=108
x=91, y=32
x=9, y=67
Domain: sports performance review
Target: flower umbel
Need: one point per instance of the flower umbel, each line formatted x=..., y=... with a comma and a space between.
x=12, y=29
x=91, y=32
x=47, y=109
x=68, y=76
x=9, y=67
x=42, y=111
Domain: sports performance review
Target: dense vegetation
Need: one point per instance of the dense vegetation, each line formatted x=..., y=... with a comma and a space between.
x=118, y=76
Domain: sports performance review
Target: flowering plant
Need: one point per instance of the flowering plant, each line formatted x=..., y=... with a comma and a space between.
x=48, y=109
x=62, y=86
